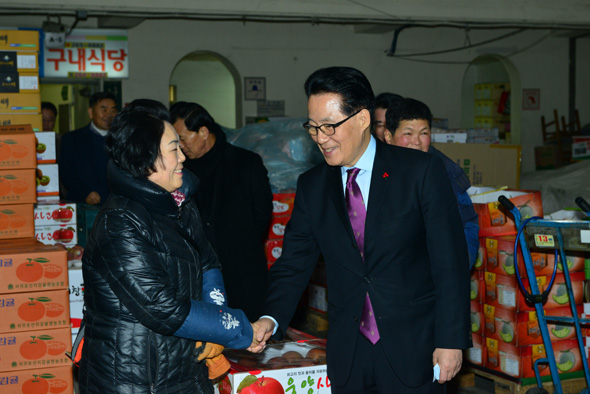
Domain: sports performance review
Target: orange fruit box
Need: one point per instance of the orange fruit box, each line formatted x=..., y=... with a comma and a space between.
x=57, y=380
x=17, y=221
x=18, y=186
x=32, y=266
x=36, y=310
x=17, y=147
x=35, y=349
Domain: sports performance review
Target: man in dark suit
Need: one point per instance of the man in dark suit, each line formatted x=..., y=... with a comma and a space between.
x=83, y=159
x=402, y=273
x=235, y=201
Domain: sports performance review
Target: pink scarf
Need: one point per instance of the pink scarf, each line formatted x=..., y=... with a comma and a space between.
x=179, y=197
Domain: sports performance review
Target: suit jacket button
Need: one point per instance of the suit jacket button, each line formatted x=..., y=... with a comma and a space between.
x=367, y=279
x=355, y=318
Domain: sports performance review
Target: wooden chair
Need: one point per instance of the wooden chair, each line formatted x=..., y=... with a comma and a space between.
x=553, y=134
x=572, y=128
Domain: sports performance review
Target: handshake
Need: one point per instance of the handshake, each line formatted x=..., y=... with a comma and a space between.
x=262, y=330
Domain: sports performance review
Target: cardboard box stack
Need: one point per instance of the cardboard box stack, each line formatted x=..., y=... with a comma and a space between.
x=282, y=206
x=294, y=366
x=505, y=328
x=492, y=108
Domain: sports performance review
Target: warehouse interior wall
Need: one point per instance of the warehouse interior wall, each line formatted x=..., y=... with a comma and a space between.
x=429, y=62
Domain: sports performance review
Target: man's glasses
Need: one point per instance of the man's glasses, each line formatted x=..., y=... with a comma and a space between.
x=327, y=128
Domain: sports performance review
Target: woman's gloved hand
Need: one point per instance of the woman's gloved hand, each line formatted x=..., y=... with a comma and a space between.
x=210, y=350
x=217, y=365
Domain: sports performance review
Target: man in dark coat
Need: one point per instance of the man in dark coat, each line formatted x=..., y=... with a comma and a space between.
x=235, y=201
x=401, y=271
x=83, y=160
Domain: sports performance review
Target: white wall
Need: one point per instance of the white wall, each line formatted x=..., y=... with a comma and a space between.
x=287, y=53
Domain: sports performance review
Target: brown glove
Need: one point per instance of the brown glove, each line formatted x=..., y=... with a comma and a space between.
x=211, y=350
x=217, y=365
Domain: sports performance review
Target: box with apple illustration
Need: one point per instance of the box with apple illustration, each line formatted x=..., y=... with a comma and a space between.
x=282, y=203
x=35, y=310
x=500, y=258
x=45, y=148
x=47, y=180
x=64, y=234
x=284, y=367
x=30, y=266
x=495, y=220
x=35, y=349
x=504, y=291
x=49, y=213
x=476, y=353
x=517, y=361
x=52, y=380
x=522, y=328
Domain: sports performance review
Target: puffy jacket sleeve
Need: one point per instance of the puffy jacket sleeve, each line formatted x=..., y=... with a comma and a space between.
x=126, y=258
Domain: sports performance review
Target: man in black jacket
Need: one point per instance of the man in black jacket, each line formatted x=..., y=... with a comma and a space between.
x=235, y=201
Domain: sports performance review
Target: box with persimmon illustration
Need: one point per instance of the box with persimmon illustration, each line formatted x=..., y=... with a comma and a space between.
x=18, y=186
x=35, y=349
x=17, y=147
x=16, y=221
x=522, y=328
x=504, y=291
x=495, y=220
x=33, y=267
x=56, y=380
x=35, y=310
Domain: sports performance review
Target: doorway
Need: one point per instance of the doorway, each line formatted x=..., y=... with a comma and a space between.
x=492, y=69
x=212, y=81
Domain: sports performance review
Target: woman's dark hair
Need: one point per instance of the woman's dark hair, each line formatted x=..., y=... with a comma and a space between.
x=194, y=116
x=406, y=109
x=133, y=141
x=349, y=83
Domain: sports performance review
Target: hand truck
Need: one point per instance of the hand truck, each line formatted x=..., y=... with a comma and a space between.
x=559, y=235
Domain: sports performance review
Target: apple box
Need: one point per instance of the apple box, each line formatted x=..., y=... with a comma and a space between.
x=476, y=353
x=45, y=148
x=273, y=249
x=277, y=226
x=16, y=221
x=17, y=186
x=41, y=380
x=495, y=220
x=36, y=310
x=35, y=349
x=64, y=234
x=282, y=203
x=282, y=368
x=49, y=213
x=47, y=180
x=23, y=267
x=17, y=147
x=476, y=317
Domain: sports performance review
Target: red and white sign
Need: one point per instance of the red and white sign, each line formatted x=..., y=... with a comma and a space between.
x=89, y=53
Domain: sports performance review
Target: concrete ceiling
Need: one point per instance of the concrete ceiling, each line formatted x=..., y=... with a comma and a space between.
x=549, y=14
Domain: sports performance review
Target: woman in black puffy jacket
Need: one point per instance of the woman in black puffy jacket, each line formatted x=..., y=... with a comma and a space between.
x=152, y=282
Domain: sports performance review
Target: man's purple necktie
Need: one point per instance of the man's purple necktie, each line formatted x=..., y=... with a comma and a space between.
x=357, y=214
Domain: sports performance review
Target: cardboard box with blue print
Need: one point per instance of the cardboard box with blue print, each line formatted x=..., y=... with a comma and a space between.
x=35, y=121
x=16, y=103
x=282, y=368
